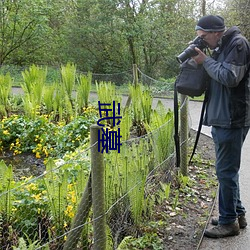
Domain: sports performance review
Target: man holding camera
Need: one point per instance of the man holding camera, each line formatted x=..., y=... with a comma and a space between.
x=228, y=112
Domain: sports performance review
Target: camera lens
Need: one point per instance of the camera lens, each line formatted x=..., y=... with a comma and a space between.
x=187, y=53
x=190, y=51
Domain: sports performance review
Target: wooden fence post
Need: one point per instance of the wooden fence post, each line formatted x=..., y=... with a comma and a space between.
x=93, y=191
x=135, y=82
x=80, y=218
x=135, y=74
x=98, y=195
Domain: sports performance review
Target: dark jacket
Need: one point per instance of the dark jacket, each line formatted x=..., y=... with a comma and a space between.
x=228, y=103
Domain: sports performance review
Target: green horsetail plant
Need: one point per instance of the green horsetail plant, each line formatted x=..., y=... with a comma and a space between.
x=107, y=95
x=34, y=77
x=30, y=108
x=56, y=184
x=141, y=105
x=68, y=109
x=68, y=74
x=146, y=102
x=136, y=178
x=115, y=176
x=161, y=128
x=58, y=102
x=62, y=106
x=125, y=125
x=33, y=85
x=83, y=91
x=6, y=184
x=48, y=98
x=126, y=174
x=106, y=92
x=65, y=184
x=135, y=93
x=5, y=90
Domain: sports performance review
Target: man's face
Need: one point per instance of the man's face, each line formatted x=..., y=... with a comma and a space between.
x=211, y=38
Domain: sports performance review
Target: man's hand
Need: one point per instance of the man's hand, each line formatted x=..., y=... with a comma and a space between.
x=200, y=58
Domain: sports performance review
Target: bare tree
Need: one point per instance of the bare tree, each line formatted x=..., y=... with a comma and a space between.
x=20, y=22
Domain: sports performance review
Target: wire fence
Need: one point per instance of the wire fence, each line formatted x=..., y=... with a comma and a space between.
x=57, y=209
x=127, y=189
x=158, y=87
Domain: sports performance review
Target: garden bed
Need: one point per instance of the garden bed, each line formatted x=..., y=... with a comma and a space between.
x=178, y=222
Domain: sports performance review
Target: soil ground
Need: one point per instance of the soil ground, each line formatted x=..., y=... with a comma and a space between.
x=187, y=223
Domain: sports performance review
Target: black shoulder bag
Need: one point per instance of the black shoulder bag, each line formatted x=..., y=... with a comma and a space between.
x=191, y=81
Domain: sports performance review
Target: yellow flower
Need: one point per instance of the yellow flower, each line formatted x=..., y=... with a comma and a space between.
x=73, y=199
x=26, y=178
x=37, y=196
x=31, y=187
x=17, y=152
x=45, y=151
x=6, y=132
x=38, y=156
x=69, y=211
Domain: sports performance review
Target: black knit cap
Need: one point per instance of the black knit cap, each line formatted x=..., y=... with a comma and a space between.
x=210, y=23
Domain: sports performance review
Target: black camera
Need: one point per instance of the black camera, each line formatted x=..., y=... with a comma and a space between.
x=190, y=51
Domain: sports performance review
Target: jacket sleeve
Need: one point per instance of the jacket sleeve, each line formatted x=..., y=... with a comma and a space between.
x=234, y=66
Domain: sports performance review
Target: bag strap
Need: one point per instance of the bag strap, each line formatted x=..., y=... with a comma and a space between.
x=199, y=127
x=176, y=126
x=176, y=121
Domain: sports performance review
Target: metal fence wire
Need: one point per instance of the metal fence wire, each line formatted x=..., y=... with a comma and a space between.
x=87, y=200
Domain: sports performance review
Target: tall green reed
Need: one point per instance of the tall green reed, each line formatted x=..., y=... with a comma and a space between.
x=126, y=174
x=5, y=90
x=107, y=94
x=33, y=86
x=56, y=184
x=6, y=184
x=141, y=106
x=68, y=74
x=161, y=128
x=62, y=106
x=83, y=91
x=60, y=182
x=48, y=98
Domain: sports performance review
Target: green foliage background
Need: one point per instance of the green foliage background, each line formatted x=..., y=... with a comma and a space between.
x=106, y=36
